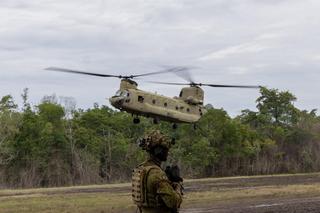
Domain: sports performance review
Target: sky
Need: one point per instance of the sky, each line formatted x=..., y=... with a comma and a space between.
x=274, y=43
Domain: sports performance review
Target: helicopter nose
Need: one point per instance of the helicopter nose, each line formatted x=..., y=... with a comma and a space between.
x=116, y=101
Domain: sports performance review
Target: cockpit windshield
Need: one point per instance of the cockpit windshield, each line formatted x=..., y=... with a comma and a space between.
x=122, y=93
x=118, y=93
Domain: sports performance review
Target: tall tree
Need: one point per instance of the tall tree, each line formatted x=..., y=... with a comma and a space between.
x=277, y=106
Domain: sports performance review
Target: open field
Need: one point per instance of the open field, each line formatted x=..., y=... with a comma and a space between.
x=281, y=193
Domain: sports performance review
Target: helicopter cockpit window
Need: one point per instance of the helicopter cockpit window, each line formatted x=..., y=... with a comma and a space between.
x=118, y=93
x=125, y=94
x=122, y=93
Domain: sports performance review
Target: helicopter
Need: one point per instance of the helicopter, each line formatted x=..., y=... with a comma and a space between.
x=188, y=107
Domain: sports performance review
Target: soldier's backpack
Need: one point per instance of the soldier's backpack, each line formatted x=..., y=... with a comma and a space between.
x=139, y=188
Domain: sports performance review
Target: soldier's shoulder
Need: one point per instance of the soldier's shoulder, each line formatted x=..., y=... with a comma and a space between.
x=152, y=170
x=156, y=174
x=149, y=163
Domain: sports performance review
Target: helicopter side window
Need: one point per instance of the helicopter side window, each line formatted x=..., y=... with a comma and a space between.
x=140, y=99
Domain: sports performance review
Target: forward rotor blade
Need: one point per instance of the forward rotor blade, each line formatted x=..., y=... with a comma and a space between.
x=169, y=70
x=209, y=85
x=230, y=86
x=81, y=72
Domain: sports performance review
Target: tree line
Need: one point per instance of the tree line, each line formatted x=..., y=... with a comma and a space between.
x=55, y=144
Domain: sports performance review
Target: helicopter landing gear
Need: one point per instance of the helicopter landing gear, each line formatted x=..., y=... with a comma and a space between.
x=136, y=120
x=174, y=126
x=155, y=121
x=195, y=126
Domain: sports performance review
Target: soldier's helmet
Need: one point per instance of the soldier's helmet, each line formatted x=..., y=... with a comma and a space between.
x=153, y=139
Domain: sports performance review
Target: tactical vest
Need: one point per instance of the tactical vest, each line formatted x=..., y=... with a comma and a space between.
x=140, y=194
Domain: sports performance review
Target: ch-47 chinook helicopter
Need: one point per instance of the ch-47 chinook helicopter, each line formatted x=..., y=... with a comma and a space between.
x=187, y=108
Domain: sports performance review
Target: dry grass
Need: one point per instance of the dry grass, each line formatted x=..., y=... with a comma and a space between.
x=81, y=202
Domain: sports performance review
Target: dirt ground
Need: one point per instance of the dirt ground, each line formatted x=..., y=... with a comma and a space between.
x=269, y=205
x=280, y=204
x=260, y=194
x=241, y=183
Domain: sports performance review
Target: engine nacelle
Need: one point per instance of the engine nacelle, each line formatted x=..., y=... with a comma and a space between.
x=192, y=95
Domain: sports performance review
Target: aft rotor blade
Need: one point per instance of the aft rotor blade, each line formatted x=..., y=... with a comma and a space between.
x=81, y=72
x=185, y=74
x=230, y=86
x=167, y=83
x=169, y=70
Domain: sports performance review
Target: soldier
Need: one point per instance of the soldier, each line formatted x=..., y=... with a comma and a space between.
x=152, y=190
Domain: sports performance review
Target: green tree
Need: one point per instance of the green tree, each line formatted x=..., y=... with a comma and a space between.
x=9, y=122
x=277, y=106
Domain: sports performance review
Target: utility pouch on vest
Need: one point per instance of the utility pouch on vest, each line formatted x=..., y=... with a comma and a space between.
x=138, y=196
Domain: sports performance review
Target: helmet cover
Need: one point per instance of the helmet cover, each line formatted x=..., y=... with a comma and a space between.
x=155, y=138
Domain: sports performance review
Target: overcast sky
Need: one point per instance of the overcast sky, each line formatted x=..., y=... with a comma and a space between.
x=275, y=43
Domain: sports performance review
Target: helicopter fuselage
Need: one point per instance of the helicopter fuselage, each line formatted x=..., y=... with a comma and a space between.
x=142, y=103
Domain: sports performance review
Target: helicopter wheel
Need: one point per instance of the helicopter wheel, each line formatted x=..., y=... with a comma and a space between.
x=136, y=120
x=174, y=126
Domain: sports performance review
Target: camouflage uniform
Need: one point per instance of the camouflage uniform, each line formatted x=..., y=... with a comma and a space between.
x=152, y=191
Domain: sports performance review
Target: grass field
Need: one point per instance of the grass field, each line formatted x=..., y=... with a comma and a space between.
x=117, y=198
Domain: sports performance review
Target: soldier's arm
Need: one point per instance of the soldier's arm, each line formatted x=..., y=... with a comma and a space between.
x=171, y=197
